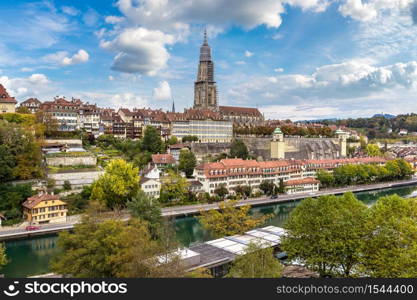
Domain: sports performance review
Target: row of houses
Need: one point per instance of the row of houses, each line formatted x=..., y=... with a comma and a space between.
x=298, y=176
x=207, y=125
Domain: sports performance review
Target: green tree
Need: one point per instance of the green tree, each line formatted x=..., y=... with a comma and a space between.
x=326, y=178
x=151, y=141
x=117, y=185
x=267, y=187
x=326, y=234
x=372, y=150
x=221, y=191
x=11, y=199
x=257, y=262
x=106, y=249
x=187, y=162
x=281, y=187
x=7, y=163
x=243, y=190
x=230, y=219
x=173, y=188
x=3, y=256
x=238, y=149
x=189, y=138
x=390, y=248
x=67, y=185
x=146, y=208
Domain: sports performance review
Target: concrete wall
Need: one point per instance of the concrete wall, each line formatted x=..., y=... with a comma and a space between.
x=76, y=179
x=72, y=161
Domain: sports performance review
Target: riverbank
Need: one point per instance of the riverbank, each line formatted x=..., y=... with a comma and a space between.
x=31, y=256
x=187, y=210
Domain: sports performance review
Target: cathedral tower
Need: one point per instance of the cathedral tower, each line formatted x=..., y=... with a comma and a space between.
x=205, y=91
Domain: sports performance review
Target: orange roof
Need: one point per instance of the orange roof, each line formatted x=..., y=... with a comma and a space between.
x=163, y=159
x=307, y=180
x=5, y=97
x=238, y=110
x=31, y=202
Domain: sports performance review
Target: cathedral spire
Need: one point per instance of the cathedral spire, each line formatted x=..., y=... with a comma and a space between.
x=205, y=51
x=173, y=106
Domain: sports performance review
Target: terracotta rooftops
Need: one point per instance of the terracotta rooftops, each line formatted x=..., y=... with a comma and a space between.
x=163, y=159
x=31, y=100
x=31, y=202
x=5, y=97
x=237, y=110
x=307, y=180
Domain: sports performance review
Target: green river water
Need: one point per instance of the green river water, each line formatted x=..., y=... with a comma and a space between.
x=32, y=256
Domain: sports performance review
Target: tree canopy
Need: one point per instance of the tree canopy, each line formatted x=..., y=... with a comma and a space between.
x=230, y=219
x=117, y=185
x=238, y=149
x=326, y=234
x=257, y=262
x=187, y=162
x=391, y=245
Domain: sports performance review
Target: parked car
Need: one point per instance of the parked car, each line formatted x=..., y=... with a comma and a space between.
x=274, y=197
x=31, y=227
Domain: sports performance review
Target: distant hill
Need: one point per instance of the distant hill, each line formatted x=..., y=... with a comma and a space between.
x=386, y=116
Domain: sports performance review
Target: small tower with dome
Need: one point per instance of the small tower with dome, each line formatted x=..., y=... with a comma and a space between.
x=277, y=144
x=342, y=137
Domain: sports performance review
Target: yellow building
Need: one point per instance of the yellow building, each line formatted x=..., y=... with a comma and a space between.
x=44, y=208
x=7, y=103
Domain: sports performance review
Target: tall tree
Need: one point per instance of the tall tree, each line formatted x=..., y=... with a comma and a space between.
x=326, y=234
x=230, y=219
x=221, y=191
x=111, y=248
x=373, y=150
x=3, y=256
x=257, y=262
x=146, y=208
x=187, y=162
x=390, y=249
x=173, y=188
x=151, y=140
x=238, y=149
x=117, y=185
x=326, y=178
x=267, y=187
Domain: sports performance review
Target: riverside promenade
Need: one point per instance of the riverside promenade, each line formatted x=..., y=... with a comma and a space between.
x=178, y=211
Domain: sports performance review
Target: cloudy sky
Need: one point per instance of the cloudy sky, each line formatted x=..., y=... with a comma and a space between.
x=297, y=59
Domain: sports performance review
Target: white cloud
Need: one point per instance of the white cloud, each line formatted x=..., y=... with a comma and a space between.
x=25, y=69
x=80, y=57
x=248, y=53
x=114, y=19
x=111, y=78
x=69, y=10
x=21, y=87
x=240, y=62
x=115, y=100
x=365, y=11
x=139, y=50
x=61, y=58
x=279, y=70
x=162, y=92
x=352, y=88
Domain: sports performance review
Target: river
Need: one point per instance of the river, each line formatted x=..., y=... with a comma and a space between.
x=32, y=256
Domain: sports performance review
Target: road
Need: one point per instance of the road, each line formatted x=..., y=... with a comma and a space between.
x=175, y=211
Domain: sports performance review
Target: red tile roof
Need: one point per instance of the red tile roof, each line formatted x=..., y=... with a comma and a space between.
x=237, y=110
x=307, y=180
x=163, y=159
x=5, y=97
x=31, y=100
x=31, y=202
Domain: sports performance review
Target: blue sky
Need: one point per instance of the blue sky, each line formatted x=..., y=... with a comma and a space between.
x=297, y=59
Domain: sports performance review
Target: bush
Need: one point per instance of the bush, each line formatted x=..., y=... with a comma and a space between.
x=67, y=185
